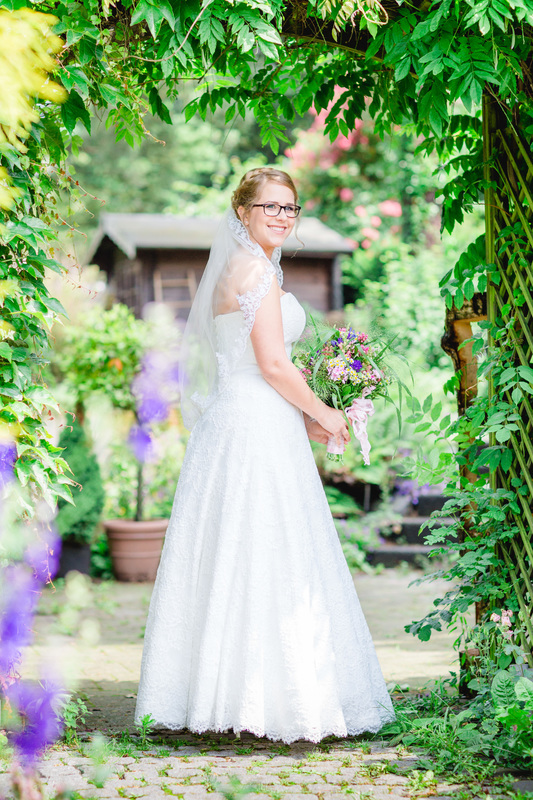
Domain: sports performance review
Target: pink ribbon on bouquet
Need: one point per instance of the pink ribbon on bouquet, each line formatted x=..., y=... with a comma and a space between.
x=358, y=414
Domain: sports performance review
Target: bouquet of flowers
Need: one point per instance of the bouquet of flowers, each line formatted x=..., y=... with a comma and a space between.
x=345, y=368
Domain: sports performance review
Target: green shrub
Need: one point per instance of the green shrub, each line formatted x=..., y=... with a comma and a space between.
x=78, y=522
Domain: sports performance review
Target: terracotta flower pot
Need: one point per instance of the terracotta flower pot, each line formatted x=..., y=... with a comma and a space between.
x=135, y=547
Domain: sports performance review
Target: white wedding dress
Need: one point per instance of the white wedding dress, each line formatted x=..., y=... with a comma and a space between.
x=254, y=622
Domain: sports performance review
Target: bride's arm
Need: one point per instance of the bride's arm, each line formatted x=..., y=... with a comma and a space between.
x=279, y=371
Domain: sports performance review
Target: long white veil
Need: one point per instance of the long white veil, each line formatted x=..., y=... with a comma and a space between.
x=237, y=277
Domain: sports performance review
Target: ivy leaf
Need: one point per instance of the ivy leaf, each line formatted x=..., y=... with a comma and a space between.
x=5, y=351
x=54, y=305
x=40, y=396
x=152, y=14
x=158, y=108
x=73, y=76
x=72, y=110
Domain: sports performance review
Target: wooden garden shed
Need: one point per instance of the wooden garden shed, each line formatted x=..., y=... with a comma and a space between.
x=159, y=257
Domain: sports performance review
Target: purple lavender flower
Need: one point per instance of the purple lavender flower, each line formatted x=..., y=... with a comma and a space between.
x=151, y=389
x=140, y=442
x=40, y=722
x=8, y=456
x=19, y=594
x=151, y=407
x=357, y=365
x=43, y=554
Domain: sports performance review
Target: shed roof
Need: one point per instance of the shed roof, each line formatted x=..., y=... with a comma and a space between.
x=131, y=232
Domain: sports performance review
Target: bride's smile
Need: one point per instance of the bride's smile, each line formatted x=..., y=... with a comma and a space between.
x=270, y=231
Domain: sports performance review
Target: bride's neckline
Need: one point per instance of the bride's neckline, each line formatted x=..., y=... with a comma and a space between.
x=230, y=313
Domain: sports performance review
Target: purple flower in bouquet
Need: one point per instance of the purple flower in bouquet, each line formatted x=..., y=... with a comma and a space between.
x=19, y=594
x=40, y=723
x=357, y=365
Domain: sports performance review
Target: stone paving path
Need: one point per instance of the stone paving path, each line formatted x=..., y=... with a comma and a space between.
x=222, y=767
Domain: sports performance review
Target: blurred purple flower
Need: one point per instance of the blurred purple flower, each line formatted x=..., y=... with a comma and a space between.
x=357, y=365
x=408, y=487
x=40, y=724
x=140, y=442
x=43, y=554
x=8, y=456
x=20, y=592
x=151, y=407
x=178, y=376
x=152, y=388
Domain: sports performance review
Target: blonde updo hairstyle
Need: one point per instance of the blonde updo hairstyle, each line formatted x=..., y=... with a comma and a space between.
x=249, y=189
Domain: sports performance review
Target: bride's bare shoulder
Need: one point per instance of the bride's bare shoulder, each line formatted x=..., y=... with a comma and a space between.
x=247, y=270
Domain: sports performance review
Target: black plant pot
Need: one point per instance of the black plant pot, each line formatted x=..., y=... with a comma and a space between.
x=74, y=556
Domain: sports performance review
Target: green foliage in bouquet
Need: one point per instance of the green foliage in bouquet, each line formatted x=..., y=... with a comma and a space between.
x=78, y=522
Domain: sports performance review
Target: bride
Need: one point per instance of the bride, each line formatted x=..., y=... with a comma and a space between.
x=254, y=623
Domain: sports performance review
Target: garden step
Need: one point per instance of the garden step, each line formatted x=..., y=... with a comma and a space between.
x=411, y=528
x=391, y=555
x=427, y=503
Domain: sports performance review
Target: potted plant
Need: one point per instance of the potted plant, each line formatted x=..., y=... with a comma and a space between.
x=115, y=354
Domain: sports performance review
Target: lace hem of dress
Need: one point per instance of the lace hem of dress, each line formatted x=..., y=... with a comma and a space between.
x=288, y=737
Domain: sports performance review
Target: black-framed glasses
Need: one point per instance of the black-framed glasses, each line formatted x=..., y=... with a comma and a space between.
x=274, y=209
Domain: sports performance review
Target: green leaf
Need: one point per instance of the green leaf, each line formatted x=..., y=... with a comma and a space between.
x=72, y=110
x=54, y=305
x=507, y=460
x=40, y=396
x=502, y=690
x=502, y=435
x=152, y=14
x=402, y=69
x=524, y=692
x=436, y=411
x=73, y=76
x=5, y=351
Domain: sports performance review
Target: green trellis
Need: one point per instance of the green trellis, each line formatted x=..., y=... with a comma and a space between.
x=509, y=203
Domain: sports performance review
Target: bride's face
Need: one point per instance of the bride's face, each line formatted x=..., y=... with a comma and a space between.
x=269, y=232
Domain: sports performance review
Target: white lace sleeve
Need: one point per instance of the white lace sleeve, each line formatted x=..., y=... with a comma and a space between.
x=250, y=301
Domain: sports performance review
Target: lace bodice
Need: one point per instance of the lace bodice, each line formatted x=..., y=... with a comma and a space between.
x=229, y=325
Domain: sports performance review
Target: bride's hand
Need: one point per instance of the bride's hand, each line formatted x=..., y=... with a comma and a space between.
x=316, y=432
x=334, y=422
